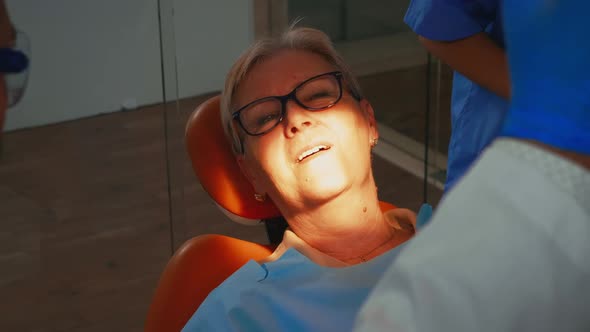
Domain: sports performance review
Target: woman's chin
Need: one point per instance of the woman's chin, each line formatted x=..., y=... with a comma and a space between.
x=325, y=188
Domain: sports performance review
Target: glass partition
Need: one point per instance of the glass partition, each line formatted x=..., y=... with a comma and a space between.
x=84, y=192
x=202, y=51
x=96, y=187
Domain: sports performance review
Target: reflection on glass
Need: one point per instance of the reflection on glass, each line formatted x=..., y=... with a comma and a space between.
x=349, y=20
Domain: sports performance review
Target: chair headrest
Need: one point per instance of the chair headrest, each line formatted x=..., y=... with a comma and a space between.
x=216, y=167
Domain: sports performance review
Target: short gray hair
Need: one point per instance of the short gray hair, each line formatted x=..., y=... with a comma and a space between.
x=301, y=38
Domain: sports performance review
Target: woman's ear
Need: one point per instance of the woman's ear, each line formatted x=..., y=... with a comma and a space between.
x=369, y=114
x=247, y=170
x=241, y=160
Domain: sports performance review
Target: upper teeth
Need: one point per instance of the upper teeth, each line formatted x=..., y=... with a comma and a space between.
x=310, y=152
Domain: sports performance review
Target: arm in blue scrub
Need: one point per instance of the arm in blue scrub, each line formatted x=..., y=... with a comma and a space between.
x=464, y=35
x=467, y=35
x=449, y=20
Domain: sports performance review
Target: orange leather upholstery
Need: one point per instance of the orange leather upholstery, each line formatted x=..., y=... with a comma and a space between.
x=216, y=168
x=205, y=261
x=199, y=266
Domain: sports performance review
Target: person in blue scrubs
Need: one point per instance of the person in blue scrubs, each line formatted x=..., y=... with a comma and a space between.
x=467, y=35
x=508, y=250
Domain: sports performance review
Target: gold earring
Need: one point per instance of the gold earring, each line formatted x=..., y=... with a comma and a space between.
x=260, y=197
x=374, y=142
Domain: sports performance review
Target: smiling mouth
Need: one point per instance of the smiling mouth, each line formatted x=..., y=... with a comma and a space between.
x=311, y=152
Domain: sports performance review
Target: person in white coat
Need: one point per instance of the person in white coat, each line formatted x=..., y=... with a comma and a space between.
x=508, y=249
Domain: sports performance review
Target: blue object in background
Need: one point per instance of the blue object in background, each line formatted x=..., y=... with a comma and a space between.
x=12, y=61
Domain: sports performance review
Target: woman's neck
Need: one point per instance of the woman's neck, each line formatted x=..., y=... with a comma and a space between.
x=350, y=228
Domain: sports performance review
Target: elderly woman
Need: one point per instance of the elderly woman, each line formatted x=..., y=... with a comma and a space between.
x=302, y=134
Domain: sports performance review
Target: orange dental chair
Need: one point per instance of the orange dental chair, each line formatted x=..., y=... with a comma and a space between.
x=205, y=261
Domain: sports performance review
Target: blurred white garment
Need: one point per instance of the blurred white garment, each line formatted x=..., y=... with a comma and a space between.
x=507, y=250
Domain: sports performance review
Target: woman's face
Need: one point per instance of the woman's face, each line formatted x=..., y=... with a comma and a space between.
x=310, y=157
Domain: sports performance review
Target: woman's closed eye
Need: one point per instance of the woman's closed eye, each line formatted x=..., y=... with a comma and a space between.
x=263, y=119
x=319, y=98
x=319, y=95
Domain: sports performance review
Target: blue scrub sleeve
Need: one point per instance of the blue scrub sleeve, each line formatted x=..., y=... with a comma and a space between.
x=549, y=58
x=448, y=20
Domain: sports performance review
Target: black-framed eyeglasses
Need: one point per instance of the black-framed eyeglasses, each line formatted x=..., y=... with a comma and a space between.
x=315, y=94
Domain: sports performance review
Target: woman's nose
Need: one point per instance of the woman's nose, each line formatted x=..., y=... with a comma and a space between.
x=296, y=118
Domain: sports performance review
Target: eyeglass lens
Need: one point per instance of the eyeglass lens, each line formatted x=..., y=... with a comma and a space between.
x=316, y=94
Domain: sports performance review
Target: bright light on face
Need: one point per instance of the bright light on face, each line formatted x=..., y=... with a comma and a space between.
x=313, y=141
